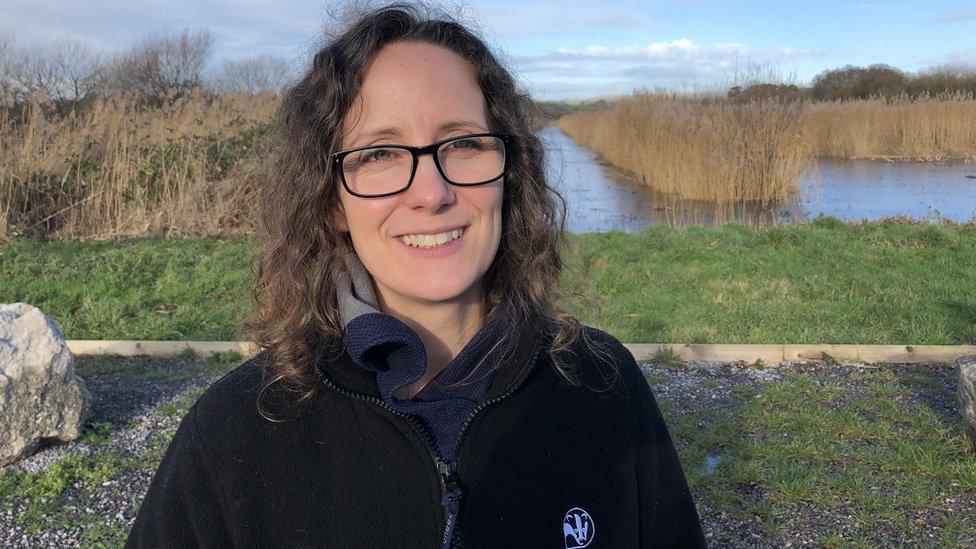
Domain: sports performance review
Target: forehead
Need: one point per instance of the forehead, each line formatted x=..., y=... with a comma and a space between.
x=413, y=88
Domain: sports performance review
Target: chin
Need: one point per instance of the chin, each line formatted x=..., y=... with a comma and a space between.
x=433, y=292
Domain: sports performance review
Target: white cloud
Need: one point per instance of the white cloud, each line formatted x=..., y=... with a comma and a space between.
x=962, y=58
x=253, y=26
x=669, y=64
x=954, y=17
x=520, y=18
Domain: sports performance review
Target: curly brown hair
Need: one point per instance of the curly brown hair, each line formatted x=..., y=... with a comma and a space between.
x=300, y=261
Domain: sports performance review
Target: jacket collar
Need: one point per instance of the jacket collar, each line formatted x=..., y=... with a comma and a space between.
x=334, y=362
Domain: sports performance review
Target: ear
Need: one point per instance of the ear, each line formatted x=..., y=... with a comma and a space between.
x=339, y=220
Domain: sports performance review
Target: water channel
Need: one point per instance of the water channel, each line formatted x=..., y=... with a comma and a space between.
x=600, y=198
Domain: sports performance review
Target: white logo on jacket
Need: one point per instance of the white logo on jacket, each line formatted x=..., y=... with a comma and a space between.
x=578, y=528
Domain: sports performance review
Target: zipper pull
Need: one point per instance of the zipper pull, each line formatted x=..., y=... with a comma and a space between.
x=451, y=491
x=450, y=499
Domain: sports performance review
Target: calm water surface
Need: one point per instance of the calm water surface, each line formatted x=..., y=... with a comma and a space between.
x=600, y=198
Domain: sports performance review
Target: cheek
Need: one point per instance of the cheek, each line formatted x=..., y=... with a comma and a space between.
x=494, y=205
x=486, y=199
x=365, y=218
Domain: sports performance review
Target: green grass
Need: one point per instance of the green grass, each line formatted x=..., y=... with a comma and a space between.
x=49, y=508
x=140, y=288
x=181, y=405
x=49, y=505
x=96, y=433
x=822, y=282
x=878, y=453
x=657, y=379
x=667, y=357
x=100, y=536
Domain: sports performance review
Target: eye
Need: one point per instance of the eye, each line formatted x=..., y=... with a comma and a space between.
x=470, y=144
x=376, y=155
x=373, y=158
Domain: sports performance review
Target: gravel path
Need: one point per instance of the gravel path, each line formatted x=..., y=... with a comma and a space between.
x=703, y=385
x=84, y=517
x=143, y=417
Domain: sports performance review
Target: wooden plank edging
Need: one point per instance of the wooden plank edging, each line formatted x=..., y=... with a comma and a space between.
x=85, y=347
x=641, y=351
x=778, y=353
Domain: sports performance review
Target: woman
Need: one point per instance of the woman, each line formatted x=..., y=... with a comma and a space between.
x=418, y=385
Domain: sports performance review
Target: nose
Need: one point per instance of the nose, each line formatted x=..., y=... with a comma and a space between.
x=429, y=190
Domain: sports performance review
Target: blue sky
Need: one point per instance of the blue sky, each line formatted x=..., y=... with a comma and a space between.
x=568, y=48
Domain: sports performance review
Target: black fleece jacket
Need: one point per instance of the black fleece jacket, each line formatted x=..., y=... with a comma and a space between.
x=541, y=463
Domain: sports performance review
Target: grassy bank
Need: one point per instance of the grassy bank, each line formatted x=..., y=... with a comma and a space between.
x=728, y=152
x=139, y=288
x=824, y=282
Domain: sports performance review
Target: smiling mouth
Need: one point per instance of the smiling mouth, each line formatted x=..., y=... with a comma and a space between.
x=431, y=240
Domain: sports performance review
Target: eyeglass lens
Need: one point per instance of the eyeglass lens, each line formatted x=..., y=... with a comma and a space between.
x=464, y=161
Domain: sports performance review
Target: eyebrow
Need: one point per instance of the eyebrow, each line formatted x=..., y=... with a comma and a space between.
x=394, y=132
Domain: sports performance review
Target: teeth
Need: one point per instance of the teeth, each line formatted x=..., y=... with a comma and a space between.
x=431, y=240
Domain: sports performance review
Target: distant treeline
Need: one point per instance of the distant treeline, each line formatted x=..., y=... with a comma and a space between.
x=874, y=81
x=554, y=110
x=68, y=72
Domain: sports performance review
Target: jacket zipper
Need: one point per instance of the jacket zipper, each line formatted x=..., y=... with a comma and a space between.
x=455, y=543
x=446, y=470
x=450, y=500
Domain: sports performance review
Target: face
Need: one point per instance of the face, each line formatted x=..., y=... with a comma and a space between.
x=416, y=94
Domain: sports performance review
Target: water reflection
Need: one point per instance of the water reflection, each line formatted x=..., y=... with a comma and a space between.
x=597, y=197
x=862, y=189
x=600, y=198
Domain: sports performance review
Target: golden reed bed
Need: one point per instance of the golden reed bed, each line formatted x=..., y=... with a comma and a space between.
x=121, y=168
x=726, y=152
x=191, y=165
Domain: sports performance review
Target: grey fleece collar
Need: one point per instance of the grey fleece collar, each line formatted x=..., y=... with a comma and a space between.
x=355, y=291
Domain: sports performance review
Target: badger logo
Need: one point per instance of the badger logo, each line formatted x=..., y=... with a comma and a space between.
x=578, y=528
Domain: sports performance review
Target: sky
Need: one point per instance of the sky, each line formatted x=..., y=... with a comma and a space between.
x=567, y=49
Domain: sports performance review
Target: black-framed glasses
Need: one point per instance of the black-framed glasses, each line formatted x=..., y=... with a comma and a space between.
x=384, y=170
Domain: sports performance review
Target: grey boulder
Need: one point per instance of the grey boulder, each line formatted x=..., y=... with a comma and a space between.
x=966, y=378
x=41, y=398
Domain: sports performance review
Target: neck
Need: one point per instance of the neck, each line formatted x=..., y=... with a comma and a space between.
x=444, y=328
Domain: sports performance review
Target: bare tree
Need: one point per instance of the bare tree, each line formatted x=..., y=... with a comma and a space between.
x=80, y=71
x=163, y=63
x=67, y=70
x=7, y=45
x=251, y=75
x=759, y=92
x=944, y=79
